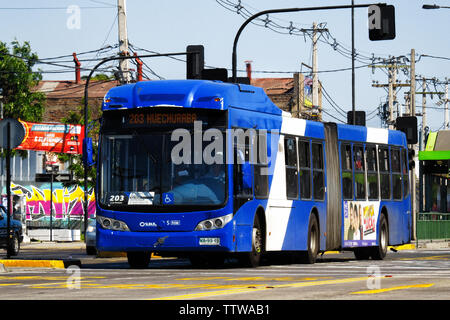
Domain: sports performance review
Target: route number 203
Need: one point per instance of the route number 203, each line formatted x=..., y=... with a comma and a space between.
x=117, y=198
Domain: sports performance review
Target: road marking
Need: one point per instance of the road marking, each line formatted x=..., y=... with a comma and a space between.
x=254, y=288
x=55, y=278
x=201, y=278
x=427, y=285
x=444, y=257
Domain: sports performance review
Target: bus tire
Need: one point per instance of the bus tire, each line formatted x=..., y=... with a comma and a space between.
x=379, y=252
x=138, y=259
x=310, y=255
x=362, y=253
x=252, y=259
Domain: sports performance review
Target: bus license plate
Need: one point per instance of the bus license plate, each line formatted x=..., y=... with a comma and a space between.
x=209, y=241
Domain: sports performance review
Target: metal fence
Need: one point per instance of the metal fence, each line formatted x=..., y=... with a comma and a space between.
x=433, y=225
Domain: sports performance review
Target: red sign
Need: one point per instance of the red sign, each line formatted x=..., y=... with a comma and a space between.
x=53, y=137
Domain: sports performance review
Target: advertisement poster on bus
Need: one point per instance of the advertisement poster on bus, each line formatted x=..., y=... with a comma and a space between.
x=360, y=223
x=53, y=137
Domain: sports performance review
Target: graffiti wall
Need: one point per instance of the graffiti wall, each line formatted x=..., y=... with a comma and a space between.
x=68, y=203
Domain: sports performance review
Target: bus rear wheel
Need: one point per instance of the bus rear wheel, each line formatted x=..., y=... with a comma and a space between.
x=310, y=255
x=379, y=252
x=253, y=258
x=138, y=259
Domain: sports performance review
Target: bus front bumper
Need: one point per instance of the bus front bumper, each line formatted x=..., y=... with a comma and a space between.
x=219, y=240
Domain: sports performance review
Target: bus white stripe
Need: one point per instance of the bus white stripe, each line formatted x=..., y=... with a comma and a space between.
x=377, y=135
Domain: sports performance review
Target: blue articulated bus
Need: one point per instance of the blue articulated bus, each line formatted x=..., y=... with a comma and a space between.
x=206, y=169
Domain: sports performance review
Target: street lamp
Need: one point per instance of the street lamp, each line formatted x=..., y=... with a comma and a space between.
x=433, y=6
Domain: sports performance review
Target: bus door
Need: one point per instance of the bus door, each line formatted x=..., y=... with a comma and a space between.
x=242, y=175
x=333, y=185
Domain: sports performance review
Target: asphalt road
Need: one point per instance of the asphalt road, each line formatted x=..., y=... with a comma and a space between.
x=403, y=275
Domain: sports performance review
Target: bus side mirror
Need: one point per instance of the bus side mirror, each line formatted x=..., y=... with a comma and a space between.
x=88, y=152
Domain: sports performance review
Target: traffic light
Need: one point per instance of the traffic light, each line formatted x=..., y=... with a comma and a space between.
x=408, y=125
x=195, y=61
x=381, y=22
x=360, y=118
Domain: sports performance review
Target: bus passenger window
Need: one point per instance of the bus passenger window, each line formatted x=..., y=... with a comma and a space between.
x=305, y=169
x=318, y=174
x=385, y=177
x=360, y=179
x=261, y=172
x=396, y=174
x=347, y=172
x=372, y=172
x=405, y=174
x=290, y=155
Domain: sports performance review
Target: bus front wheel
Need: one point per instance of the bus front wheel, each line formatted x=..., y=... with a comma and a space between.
x=138, y=259
x=253, y=258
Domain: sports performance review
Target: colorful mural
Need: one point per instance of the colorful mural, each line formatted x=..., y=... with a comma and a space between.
x=67, y=202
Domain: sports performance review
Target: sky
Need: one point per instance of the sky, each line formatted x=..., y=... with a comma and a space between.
x=55, y=29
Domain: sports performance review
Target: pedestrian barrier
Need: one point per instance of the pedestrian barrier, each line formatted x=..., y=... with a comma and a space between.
x=433, y=225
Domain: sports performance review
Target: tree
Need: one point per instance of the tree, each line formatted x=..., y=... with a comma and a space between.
x=16, y=81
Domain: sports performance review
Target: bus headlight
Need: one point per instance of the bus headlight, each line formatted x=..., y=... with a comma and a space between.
x=112, y=224
x=214, y=223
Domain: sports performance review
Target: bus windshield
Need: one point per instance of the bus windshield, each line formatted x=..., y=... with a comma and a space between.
x=137, y=170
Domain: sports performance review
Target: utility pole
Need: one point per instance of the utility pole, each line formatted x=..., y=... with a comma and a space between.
x=412, y=109
x=299, y=92
x=353, y=65
x=123, y=40
x=392, y=77
x=315, y=88
x=424, y=110
x=446, y=124
x=392, y=86
x=412, y=91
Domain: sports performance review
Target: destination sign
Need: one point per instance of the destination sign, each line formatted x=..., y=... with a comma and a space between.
x=161, y=118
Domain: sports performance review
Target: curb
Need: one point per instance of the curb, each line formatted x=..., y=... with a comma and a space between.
x=409, y=246
x=58, y=264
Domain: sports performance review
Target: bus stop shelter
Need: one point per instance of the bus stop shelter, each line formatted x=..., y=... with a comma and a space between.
x=434, y=206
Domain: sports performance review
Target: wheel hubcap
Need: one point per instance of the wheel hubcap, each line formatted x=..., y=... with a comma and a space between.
x=257, y=240
x=313, y=240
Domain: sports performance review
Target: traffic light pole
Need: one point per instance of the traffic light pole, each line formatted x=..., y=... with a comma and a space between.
x=265, y=12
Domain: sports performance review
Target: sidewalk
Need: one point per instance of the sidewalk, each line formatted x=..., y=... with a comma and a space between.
x=53, y=245
x=432, y=244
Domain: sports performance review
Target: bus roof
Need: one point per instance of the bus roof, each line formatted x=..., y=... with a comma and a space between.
x=189, y=94
x=371, y=135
